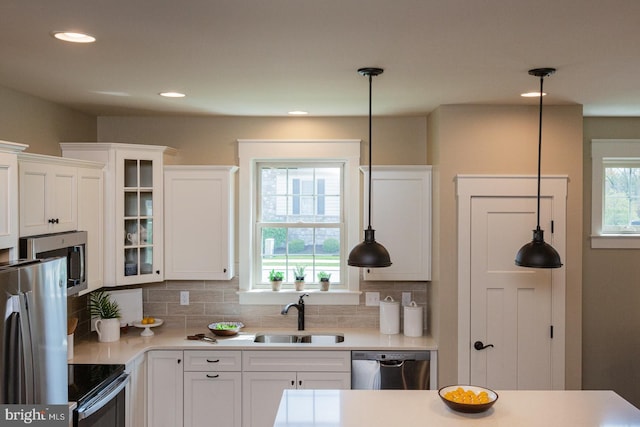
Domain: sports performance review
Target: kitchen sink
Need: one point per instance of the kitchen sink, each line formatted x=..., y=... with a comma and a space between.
x=299, y=338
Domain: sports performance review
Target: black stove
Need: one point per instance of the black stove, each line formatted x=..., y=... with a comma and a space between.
x=86, y=381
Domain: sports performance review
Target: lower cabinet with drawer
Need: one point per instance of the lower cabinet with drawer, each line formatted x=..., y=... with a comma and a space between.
x=234, y=388
x=266, y=374
x=212, y=388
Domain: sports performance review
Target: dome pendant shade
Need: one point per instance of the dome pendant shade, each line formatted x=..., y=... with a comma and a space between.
x=538, y=254
x=369, y=253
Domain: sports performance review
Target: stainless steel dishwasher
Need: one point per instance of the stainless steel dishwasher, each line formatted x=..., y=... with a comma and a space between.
x=399, y=370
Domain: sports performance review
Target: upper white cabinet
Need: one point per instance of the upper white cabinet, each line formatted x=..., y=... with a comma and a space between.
x=199, y=222
x=401, y=217
x=133, y=211
x=91, y=220
x=9, y=196
x=48, y=195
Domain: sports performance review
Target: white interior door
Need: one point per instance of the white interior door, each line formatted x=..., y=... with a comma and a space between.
x=510, y=305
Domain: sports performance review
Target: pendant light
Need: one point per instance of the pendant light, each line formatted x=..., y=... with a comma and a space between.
x=537, y=253
x=369, y=253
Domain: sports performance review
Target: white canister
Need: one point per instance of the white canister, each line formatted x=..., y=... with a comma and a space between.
x=389, y=316
x=413, y=320
x=108, y=329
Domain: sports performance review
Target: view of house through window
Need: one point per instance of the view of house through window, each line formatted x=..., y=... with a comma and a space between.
x=300, y=220
x=621, y=207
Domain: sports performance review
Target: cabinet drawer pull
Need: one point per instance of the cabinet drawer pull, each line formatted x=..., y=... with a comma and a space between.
x=213, y=376
x=213, y=361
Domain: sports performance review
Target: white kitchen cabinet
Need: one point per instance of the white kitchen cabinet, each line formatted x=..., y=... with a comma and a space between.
x=401, y=217
x=266, y=374
x=9, y=196
x=133, y=231
x=199, y=222
x=91, y=220
x=212, y=384
x=165, y=388
x=136, y=406
x=48, y=195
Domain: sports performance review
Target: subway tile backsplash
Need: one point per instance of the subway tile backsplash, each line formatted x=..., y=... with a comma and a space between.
x=217, y=301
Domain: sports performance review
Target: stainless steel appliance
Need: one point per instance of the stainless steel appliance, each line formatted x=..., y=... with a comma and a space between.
x=404, y=370
x=33, y=345
x=99, y=391
x=71, y=244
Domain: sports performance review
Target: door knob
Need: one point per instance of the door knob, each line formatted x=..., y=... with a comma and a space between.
x=478, y=345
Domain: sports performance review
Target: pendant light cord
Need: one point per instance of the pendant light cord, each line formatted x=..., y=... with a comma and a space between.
x=370, y=148
x=539, y=151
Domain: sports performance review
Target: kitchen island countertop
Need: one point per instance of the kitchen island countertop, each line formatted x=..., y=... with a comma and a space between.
x=383, y=408
x=131, y=344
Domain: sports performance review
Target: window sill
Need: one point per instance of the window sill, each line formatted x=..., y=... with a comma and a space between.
x=615, y=241
x=316, y=297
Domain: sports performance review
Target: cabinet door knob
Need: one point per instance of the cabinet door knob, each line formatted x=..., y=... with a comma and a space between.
x=54, y=221
x=157, y=271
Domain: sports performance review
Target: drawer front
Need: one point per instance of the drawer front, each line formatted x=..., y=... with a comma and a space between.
x=208, y=360
x=299, y=361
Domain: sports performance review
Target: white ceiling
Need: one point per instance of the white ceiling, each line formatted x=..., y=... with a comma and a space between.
x=267, y=57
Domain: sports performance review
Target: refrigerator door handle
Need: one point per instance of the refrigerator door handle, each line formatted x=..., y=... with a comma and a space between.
x=27, y=350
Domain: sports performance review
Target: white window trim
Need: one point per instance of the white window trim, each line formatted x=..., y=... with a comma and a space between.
x=250, y=152
x=609, y=149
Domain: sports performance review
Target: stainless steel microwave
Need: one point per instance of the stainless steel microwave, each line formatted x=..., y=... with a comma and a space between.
x=71, y=244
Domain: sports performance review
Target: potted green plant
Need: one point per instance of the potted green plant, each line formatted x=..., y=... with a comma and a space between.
x=275, y=277
x=324, y=277
x=108, y=313
x=299, y=275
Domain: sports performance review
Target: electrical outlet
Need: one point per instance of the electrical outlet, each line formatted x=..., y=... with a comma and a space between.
x=406, y=298
x=184, y=297
x=372, y=298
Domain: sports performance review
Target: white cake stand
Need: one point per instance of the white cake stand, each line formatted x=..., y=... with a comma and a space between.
x=147, y=327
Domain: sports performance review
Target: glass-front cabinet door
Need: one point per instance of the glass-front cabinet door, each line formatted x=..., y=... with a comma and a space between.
x=139, y=203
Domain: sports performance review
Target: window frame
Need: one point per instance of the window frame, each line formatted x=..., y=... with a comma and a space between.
x=251, y=152
x=603, y=152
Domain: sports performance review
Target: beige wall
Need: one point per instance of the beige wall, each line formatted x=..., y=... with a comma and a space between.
x=212, y=140
x=611, y=290
x=503, y=140
x=41, y=124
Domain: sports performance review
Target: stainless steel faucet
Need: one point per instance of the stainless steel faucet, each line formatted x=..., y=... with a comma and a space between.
x=300, y=307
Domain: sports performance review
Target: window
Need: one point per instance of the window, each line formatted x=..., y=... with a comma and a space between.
x=615, y=221
x=299, y=205
x=300, y=220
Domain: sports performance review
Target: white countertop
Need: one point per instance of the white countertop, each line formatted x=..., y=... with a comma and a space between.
x=132, y=344
x=384, y=408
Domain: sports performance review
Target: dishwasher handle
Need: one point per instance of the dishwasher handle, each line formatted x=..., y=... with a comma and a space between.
x=392, y=363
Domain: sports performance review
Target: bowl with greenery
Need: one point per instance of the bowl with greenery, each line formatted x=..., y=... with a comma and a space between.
x=226, y=328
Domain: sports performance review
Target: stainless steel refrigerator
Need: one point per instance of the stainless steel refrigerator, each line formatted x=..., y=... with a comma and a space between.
x=33, y=345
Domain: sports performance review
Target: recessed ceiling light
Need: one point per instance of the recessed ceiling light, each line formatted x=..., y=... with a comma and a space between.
x=532, y=94
x=298, y=113
x=172, y=94
x=69, y=36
